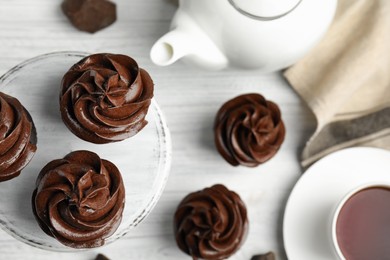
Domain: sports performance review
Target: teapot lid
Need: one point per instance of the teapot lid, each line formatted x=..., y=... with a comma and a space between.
x=265, y=9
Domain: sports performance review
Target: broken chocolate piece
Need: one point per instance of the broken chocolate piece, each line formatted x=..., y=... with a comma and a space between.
x=267, y=256
x=101, y=257
x=90, y=15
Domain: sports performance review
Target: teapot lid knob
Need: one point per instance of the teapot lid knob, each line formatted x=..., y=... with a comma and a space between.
x=265, y=9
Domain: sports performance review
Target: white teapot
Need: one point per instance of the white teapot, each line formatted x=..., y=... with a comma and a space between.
x=267, y=35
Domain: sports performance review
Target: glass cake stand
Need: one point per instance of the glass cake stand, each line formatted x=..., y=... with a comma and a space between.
x=144, y=160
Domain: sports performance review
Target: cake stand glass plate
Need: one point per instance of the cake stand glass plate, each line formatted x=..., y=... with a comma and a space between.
x=144, y=159
x=313, y=201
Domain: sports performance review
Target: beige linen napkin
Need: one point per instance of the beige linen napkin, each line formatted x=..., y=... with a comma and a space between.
x=345, y=80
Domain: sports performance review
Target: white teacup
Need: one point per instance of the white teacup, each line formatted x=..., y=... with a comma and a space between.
x=340, y=206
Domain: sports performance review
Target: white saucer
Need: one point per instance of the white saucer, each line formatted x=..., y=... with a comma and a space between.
x=306, y=227
x=144, y=159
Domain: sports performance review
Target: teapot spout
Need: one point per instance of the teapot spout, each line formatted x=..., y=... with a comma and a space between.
x=187, y=41
x=170, y=48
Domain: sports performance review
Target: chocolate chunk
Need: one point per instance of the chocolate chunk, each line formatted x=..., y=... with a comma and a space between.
x=101, y=257
x=90, y=15
x=267, y=256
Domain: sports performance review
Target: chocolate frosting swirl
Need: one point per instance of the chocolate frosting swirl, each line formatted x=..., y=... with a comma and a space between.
x=211, y=223
x=105, y=98
x=18, y=137
x=79, y=200
x=248, y=130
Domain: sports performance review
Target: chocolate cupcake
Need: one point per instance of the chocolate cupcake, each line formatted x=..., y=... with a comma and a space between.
x=18, y=137
x=248, y=130
x=211, y=224
x=79, y=200
x=105, y=98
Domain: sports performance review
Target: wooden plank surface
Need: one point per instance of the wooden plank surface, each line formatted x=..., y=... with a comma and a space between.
x=189, y=98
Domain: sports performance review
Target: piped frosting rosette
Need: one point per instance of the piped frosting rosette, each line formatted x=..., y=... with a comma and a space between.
x=248, y=130
x=105, y=98
x=211, y=223
x=79, y=200
x=18, y=137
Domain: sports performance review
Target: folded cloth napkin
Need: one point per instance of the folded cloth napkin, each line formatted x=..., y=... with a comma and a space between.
x=345, y=80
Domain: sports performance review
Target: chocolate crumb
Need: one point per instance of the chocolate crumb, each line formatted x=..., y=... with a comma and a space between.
x=267, y=256
x=90, y=15
x=101, y=257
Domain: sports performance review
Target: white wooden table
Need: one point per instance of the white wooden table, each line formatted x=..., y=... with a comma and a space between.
x=190, y=98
